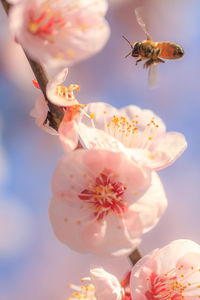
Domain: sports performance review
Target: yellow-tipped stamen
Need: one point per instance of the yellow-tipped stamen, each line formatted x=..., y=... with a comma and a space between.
x=174, y=284
x=83, y=292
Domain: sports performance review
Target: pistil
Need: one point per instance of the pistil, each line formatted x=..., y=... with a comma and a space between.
x=105, y=194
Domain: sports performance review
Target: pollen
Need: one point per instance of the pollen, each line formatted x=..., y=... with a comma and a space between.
x=83, y=27
x=60, y=55
x=92, y=116
x=33, y=27
x=70, y=53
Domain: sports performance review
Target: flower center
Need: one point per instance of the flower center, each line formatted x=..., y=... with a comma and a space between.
x=47, y=24
x=67, y=92
x=173, y=285
x=105, y=195
x=130, y=133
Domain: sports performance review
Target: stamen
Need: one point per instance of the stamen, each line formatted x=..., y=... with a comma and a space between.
x=173, y=284
x=128, y=132
x=86, y=292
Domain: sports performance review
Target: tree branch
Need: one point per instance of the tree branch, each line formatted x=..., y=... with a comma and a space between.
x=56, y=113
x=135, y=256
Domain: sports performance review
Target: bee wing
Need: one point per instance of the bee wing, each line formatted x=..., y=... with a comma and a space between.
x=153, y=76
x=140, y=19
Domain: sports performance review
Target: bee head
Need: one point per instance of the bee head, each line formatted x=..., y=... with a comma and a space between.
x=178, y=51
x=136, y=49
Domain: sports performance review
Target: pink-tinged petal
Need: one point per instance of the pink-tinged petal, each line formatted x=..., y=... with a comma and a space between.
x=107, y=286
x=68, y=134
x=152, y=204
x=39, y=112
x=72, y=226
x=167, y=148
x=165, y=271
x=92, y=138
x=60, y=34
x=66, y=220
x=168, y=256
x=69, y=172
x=68, y=129
x=151, y=159
x=58, y=79
x=114, y=239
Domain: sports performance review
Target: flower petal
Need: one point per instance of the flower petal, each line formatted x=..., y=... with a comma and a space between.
x=152, y=204
x=167, y=148
x=107, y=287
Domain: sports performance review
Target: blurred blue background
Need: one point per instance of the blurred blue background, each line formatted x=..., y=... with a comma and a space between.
x=33, y=264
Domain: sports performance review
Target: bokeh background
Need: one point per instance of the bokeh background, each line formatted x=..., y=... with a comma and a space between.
x=33, y=263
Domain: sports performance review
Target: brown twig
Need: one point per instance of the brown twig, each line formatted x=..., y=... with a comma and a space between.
x=135, y=256
x=56, y=113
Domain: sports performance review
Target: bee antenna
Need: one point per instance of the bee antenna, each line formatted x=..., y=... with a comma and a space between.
x=128, y=54
x=127, y=41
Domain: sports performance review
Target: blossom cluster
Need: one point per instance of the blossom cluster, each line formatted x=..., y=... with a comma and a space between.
x=172, y=272
x=106, y=192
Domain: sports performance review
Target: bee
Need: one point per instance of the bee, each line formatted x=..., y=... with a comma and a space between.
x=152, y=52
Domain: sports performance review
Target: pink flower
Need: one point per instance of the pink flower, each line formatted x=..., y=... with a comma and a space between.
x=60, y=32
x=102, y=202
x=103, y=286
x=62, y=96
x=172, y=272
x=139, y=133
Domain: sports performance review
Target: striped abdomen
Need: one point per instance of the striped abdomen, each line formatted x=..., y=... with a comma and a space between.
x=169, y=50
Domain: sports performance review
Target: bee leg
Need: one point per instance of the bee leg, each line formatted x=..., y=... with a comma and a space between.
x=148, y=63
x=137, y=61
x=158, y=60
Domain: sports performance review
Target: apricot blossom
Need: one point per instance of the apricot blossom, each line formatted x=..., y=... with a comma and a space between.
x=59, y=94
x=101, y=285
x=172, y=272
x=64, y=97
x=139, y=133
x=103, y=202
x=60, y=33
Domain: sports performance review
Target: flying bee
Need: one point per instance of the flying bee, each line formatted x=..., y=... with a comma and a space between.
x=152, y=52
